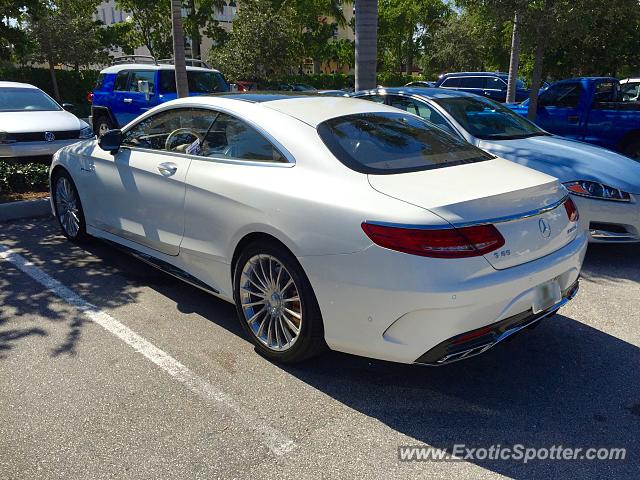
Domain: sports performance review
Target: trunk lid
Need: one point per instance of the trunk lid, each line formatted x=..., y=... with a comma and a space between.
x=524, y=205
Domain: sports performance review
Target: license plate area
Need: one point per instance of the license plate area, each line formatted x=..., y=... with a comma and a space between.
x=546, y=296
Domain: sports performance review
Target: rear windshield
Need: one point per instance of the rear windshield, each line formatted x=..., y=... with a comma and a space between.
x=26, y=100
x=386, y=143
x=199, y=81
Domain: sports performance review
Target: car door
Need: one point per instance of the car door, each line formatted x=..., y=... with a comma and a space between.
x=133, y=101
x=559, y=112
x=139, y=192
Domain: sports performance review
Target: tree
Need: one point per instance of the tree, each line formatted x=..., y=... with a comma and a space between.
x=406, y=28
x=366, y=44
x=514, y=60
x=150, y=25
x=264, y=43
x=180, y=66
x=65, y=33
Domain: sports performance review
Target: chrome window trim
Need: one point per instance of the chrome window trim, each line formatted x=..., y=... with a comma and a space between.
x=488, y=221
x=291, y=161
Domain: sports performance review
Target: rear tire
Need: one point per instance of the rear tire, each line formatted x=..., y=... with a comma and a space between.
x=276, y=304
x=68, y=207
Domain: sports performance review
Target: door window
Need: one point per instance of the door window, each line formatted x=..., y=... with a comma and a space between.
x=471, y=82
x=453, y=82
x=421, y=109
x=494, y=83
x=121, y=81
x=230, y=137
x=631, y=92
x=180, y=130
x=566, y=95
x=373, y=98
x=141, y=75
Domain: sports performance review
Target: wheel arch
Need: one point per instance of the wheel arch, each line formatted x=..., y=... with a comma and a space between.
x=250, y=238
x=97, y=112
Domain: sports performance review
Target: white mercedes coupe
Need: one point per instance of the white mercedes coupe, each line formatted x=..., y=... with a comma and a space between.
x=330, y=221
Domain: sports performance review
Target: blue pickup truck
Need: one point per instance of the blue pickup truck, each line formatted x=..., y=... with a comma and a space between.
x=590, y=109
x=129, y=88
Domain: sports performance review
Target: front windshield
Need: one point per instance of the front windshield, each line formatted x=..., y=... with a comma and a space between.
x=488, y=120
x=26, y=100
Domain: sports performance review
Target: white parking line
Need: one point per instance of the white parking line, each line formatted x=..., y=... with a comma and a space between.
x=277, y=442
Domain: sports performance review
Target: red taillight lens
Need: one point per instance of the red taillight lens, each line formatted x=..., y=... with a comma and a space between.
x=439, y=243
x=572, y=210
x=90, y=97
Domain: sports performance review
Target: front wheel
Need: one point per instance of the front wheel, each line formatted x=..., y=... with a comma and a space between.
x=68, y=208
x=276, y=304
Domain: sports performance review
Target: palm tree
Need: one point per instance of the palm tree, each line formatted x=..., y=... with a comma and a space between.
x=515, y=59
x=366, y=43
x=182, y=84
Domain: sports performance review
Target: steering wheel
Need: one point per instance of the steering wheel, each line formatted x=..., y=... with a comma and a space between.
x=179, y=131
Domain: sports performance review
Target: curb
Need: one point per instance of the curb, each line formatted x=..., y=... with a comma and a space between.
x=25, y=209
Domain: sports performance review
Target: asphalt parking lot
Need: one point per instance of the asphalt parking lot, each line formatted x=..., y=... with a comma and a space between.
x=85, y=395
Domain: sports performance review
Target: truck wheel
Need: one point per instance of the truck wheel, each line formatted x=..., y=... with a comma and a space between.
x=103, y=125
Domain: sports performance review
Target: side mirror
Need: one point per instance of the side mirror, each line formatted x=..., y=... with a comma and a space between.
x=68, y=106
x=111, y=141
x=143, y=86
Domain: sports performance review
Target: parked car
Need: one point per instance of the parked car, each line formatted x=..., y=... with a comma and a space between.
x=605, y=185
x=329, y=220
x=590, y=109
x=246, y=86
x=421, y=83
x=294, y=87
x=129, y=88
x=488, y=84
x=32, y=124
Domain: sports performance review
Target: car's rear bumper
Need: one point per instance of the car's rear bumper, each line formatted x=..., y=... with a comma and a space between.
x=393, y=306
x=33, y=149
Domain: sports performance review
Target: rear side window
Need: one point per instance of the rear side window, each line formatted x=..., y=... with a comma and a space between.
x=99, y=81
x=387, y=143
x=121, y=81
x=199, y=81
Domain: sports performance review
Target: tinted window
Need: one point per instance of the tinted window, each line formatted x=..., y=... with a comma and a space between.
x=494, y=83
x=485, y=119
x=99, y=81
x=606, y=92
x=451, y=82
x=421, y=109
x=139, y=76
x=471, y=82
x=373, y=98
x=386, y=143
x=26, y=99
x=121, y=81
x=232, y=138
x=199, y=81
x=181, y=130
x=565, y=95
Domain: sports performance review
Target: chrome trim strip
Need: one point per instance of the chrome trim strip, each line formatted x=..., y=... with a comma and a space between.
x=505, y=219
x=613, y=237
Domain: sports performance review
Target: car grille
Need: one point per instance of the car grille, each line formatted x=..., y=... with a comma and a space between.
x=40, y=136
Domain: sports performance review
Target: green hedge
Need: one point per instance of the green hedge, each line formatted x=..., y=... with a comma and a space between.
x=73, y=85
x=25, y=177
x=338, y=81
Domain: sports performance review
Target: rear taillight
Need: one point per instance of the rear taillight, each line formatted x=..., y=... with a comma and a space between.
x=439, y=243
x=90, y=97
x=572, y=210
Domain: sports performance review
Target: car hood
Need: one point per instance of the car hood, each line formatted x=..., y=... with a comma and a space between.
x=23, y=122
x=569, y=160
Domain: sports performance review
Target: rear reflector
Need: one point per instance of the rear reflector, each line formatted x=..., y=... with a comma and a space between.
x=439, y=243
x=572, y=210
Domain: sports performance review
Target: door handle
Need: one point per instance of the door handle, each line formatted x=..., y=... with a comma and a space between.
x=127, y=100
x=167, y=168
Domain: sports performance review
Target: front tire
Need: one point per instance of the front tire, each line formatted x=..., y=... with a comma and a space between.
x=276, y=304
x=68, y=207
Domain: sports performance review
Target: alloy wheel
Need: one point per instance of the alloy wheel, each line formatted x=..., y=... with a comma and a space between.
x=67, y=206
x=270, y=302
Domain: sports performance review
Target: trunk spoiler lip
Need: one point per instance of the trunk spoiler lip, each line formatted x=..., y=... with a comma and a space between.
x=488, y=221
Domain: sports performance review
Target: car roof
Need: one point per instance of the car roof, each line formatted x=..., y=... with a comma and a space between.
x=474, y=74
x=16, y=85
x=428, y=92
x=151, y=67
x=310, y=109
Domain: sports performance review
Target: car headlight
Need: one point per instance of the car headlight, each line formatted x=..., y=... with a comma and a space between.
x=86, y=132
x=6, y=138
x=586, y=188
